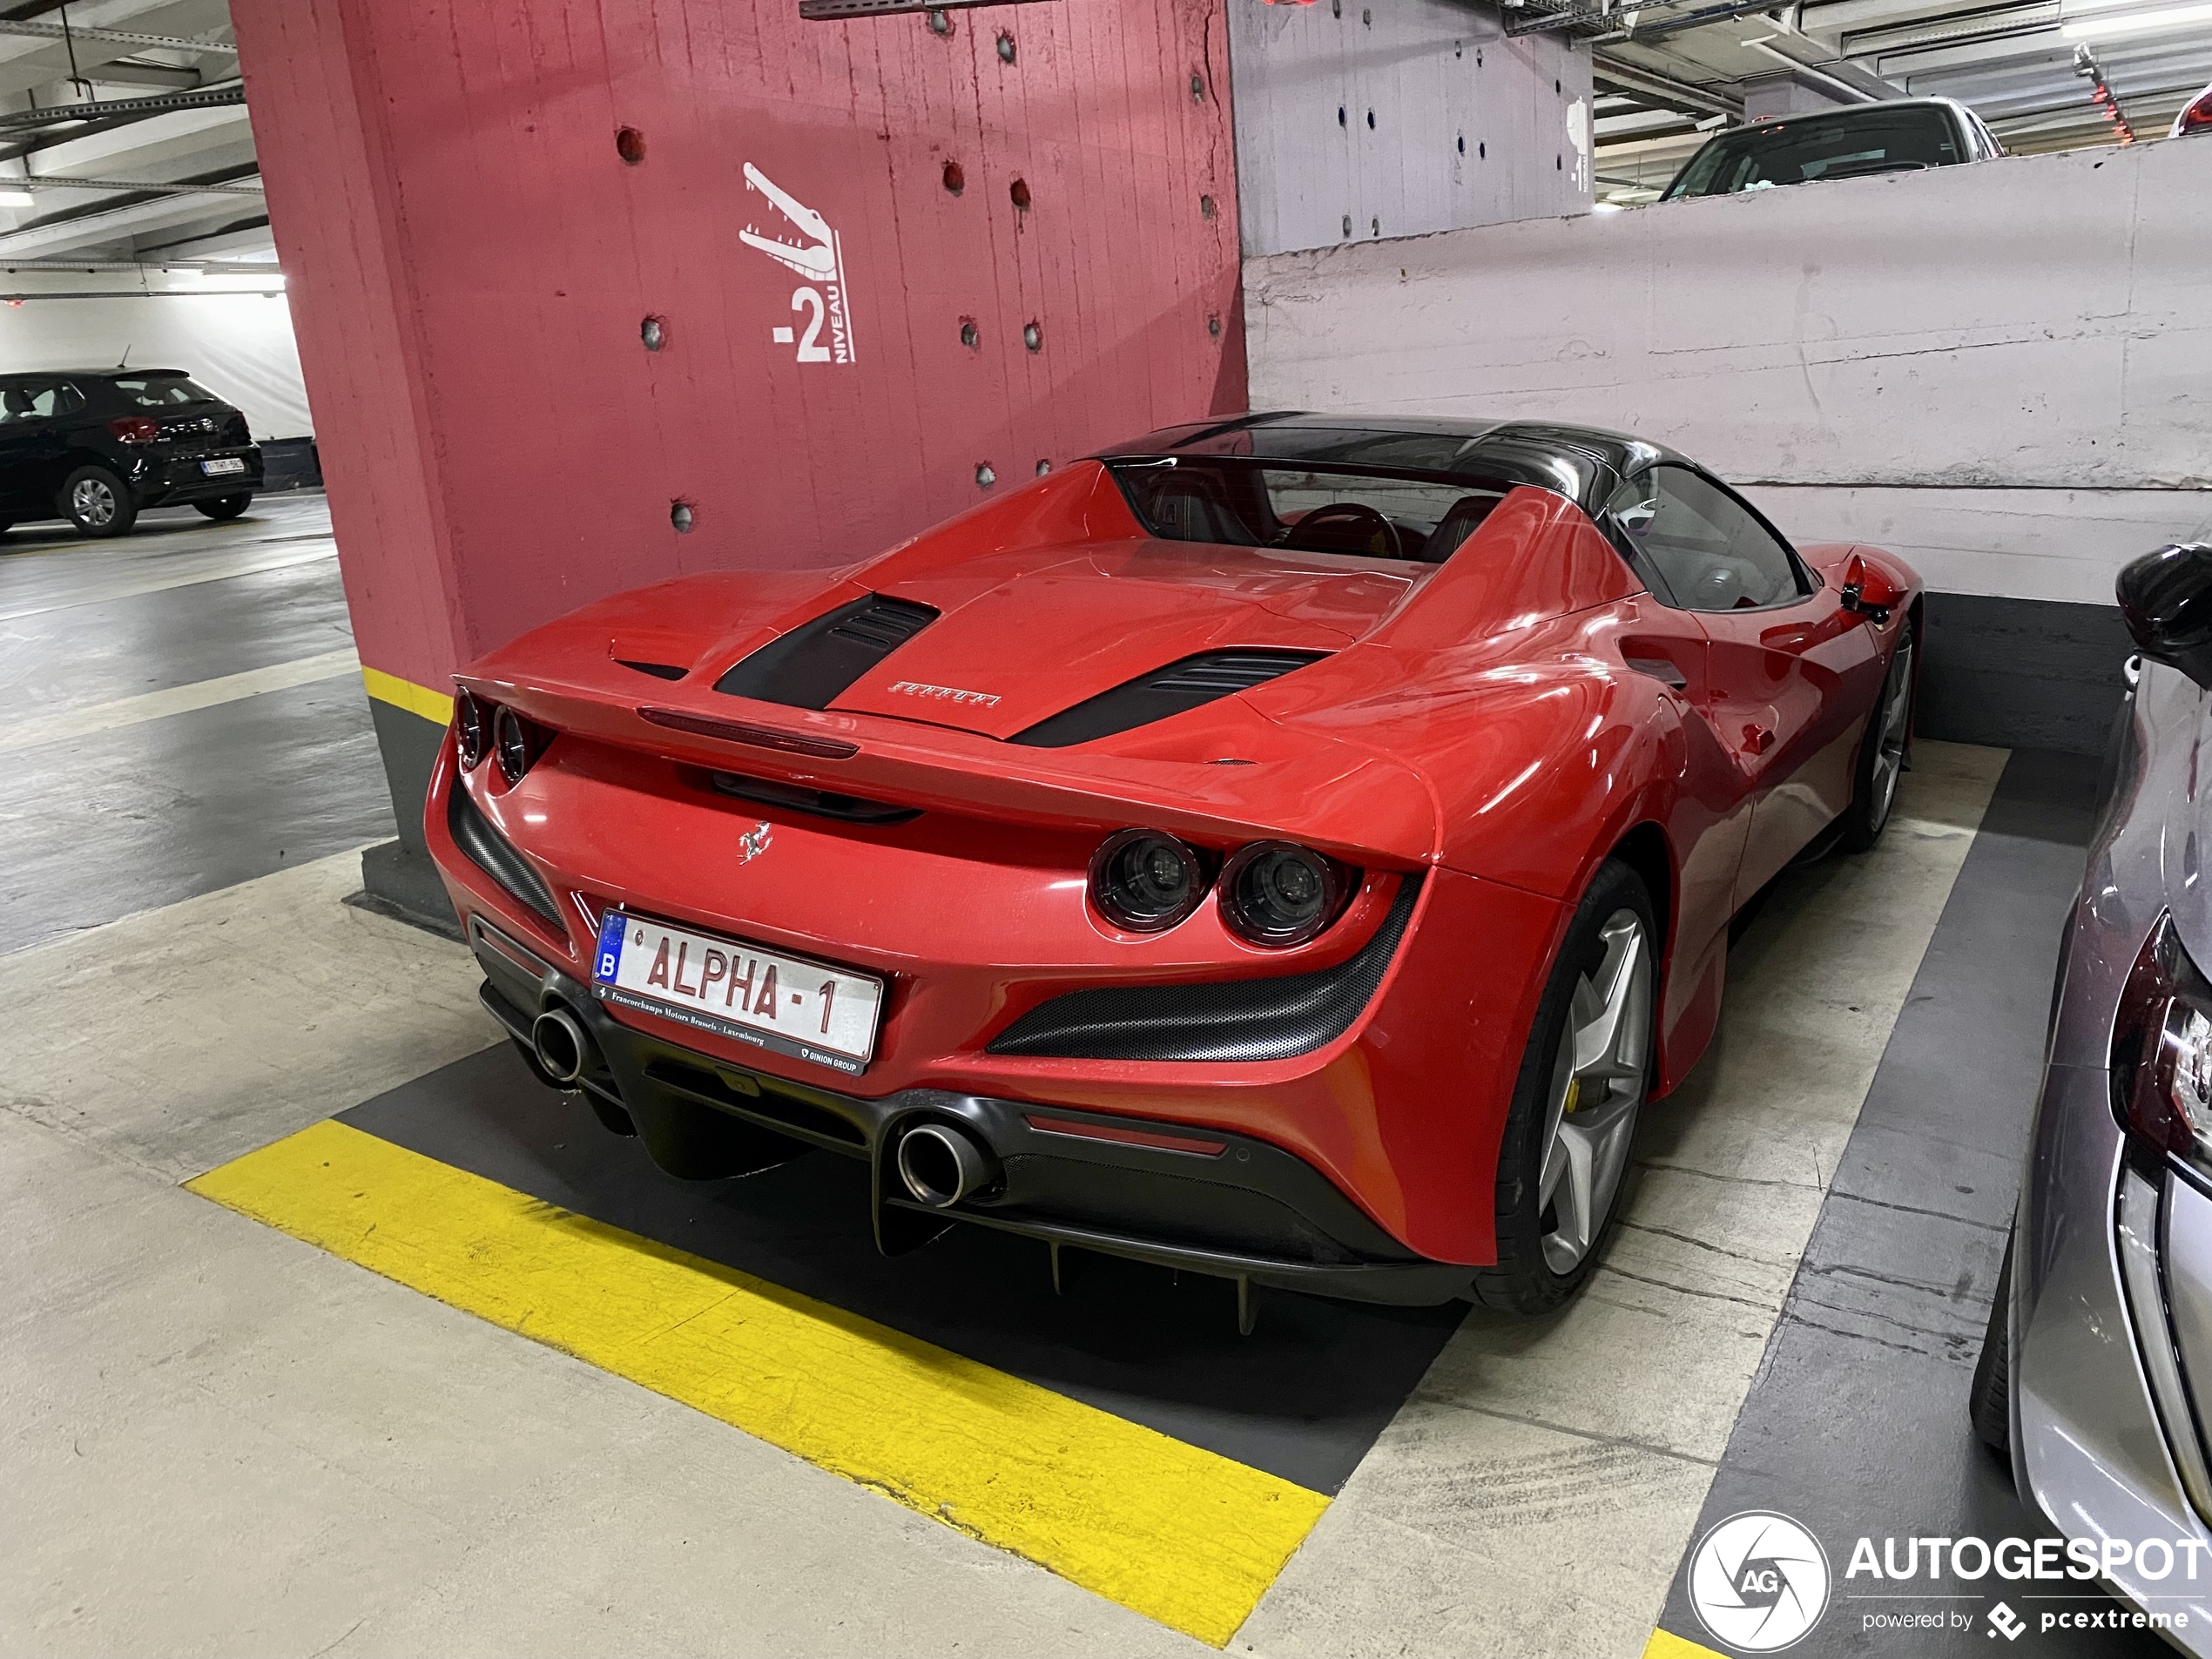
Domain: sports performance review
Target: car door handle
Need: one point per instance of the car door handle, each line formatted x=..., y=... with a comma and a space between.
x=1757, y=740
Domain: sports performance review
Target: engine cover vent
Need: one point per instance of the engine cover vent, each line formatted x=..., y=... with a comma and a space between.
x=1180, y=685
x=808, y=667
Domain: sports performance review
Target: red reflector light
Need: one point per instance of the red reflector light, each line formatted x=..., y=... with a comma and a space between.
x=1126, y=1136
x=2197, y=117
x=759, y=737
x=135, y=429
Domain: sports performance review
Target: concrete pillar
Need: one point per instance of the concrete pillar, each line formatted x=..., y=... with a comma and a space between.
x=1363, y=119
x=571, y=277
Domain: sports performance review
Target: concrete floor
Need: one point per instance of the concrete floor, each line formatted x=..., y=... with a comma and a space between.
x=219, y=1439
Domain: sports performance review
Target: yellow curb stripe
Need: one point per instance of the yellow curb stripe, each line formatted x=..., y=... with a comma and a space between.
x=434, y=706
x=1182, y=1535
x=1665, y=1644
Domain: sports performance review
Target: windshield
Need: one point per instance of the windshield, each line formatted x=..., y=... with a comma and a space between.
x=1872, y=140
x=161, y=391
x=1315, y=509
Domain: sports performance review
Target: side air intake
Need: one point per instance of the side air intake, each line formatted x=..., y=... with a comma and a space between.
x=496, y=856
x=1180, y=685
x=1225, y=1021
x=808, y=667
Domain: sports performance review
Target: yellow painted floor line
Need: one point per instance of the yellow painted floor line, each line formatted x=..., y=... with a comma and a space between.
x=1182, y=1535
x=1665, y=1644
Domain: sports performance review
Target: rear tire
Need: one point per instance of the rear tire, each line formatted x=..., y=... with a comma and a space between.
x=224, y=507
x=1989, y=1401
x=1882, y=751
x=97, y=501
x=1563, y=1164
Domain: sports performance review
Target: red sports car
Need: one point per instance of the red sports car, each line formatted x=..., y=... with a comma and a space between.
x=1291, y=848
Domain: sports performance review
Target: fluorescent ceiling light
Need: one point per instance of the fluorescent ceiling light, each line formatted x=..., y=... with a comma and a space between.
x=2137, y=22
x=15, y=198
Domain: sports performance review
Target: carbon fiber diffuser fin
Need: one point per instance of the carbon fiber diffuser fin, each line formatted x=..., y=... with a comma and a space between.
x=1187, y=684
x=812, y=665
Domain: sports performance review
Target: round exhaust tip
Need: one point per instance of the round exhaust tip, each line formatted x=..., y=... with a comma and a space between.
x=560, y=1045
x=941, y=1166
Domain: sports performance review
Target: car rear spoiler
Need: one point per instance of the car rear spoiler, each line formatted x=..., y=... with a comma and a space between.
x=1257, y=780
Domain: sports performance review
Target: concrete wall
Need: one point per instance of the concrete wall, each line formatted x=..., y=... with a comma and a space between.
x=239, y=346
x=1365, y=119
x=843, y=358
x=1996, y=370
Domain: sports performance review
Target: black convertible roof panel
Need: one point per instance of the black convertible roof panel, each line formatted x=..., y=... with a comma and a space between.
x=1585, y=464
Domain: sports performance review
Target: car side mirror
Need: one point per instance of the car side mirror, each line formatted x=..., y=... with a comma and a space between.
x=1869, y=591
x=2166, y=600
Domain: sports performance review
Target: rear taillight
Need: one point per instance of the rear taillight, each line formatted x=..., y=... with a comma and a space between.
x=2162, y=1051
x=2197, y=117
x=518, y=743
x=135, y=429
x=1274, y=894
x=471, y=729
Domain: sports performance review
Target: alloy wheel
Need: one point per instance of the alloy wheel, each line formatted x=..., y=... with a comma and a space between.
x=1598, y=1082
x=1892, y=731
x=94, y=502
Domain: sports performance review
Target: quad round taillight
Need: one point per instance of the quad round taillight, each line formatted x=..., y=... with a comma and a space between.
x=471, y=730
x=1145, y=880
x=510, y=735
x=1274, y=894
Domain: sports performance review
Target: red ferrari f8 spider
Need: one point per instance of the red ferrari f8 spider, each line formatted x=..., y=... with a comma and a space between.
x=1291, y=848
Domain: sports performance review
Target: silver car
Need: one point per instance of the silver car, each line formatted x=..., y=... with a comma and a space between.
x=2096, y=1374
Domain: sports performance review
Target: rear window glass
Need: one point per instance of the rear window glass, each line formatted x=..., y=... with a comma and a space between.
x=1313, y=510
x=161, y=391
x=1759, y=157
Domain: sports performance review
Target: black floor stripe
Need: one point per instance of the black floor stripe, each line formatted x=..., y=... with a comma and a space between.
x=1856, y=1425
x=161, y=811
x=1303, y=1397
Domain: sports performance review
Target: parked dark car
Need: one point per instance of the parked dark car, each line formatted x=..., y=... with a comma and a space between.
x=99, y=446
x=1901, y=135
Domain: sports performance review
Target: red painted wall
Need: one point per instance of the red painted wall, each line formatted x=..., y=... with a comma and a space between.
x=470, y=262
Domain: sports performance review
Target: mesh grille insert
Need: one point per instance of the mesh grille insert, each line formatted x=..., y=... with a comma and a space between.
x=496, y=856
x=1232, y=1020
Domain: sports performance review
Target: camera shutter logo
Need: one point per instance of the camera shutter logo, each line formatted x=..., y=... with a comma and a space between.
x=1758, y=1581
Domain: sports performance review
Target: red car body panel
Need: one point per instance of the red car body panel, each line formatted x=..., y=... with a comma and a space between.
x=1495, y=726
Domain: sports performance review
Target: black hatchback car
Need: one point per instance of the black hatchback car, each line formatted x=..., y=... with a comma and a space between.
x=97, y=446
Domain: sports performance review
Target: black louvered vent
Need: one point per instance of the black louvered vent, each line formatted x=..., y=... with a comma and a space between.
x=658, y=671
x=1180, y=685
x=821, y=803
x=810, y=666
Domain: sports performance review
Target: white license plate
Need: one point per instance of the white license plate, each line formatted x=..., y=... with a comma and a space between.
x=785, y=1003
x=227, y=463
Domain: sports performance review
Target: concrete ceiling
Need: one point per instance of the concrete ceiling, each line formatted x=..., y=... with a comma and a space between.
x=1664, y=68
x=139, y=100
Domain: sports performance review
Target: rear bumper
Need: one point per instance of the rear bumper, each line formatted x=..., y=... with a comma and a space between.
x=1231, y=1206
x=173, y=482
x=2091, y=1452
x=974, y=924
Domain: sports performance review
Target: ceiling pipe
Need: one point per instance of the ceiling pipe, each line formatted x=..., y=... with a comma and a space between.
x=1680, y=94
x=1856, y=94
